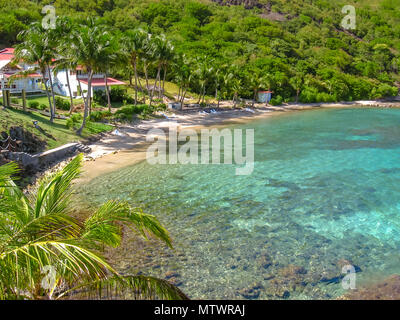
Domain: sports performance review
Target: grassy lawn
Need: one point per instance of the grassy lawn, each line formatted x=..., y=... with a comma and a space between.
x=44, y=100
x=55, y=134
x=171, y=91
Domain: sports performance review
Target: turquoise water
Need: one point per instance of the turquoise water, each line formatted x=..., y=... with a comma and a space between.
x=325, y=188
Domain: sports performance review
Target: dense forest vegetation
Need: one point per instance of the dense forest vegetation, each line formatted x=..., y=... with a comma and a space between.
x=297, y=47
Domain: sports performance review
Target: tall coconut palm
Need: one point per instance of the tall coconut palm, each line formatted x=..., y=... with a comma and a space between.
x=62, y=34
x=134, y=46
x=46, y=253
x=163, y=53
x=203, y=72
x=109, y=62
x=255, y=80
x=183, y=76
x=36, y=48
x=90, y=43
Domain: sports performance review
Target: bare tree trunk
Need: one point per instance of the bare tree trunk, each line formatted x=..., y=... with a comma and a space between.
x=165, y=76
x=71, y=108
x=158, y=77
x=159, y=84
x=48, y=97
x=107, y=92
x=183, y=98
x=147, y=82
x=87, y=103
x=52, y=93
x=254, y=97
x=80, y=89
x=200, y=94
x=136, y=79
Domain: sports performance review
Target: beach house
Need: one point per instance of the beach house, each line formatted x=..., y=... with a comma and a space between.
x=78, y=80
x=16, y=77
x=10, y=75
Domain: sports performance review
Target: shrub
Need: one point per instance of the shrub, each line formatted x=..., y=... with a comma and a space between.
x=324, y=97
x=276, y=101
x=98, y=116
x=42, y=107
x=127, y=112
x=308, y=95
x=33, y=104
x=74, y=121
x=160, y=107
x=99, y=96
x=62, y=104
x=118, y=94
x=14, y=100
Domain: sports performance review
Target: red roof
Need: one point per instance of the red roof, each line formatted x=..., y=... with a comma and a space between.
x=32, y=75
x=7, y=51
x=7, y=54
x=99, y=82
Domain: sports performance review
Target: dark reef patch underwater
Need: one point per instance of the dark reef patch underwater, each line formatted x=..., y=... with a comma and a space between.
x=325, y=192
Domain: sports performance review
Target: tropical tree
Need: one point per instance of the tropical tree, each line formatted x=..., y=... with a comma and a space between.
x=236, y=88
x=46, y=253
x=218, y=71
x=134, y=46
x=226, y=83
x=90, y=43
x=255, y=79
x=203, y=72
x=64, y=61
x=297, y=83
x=183, y=76
x=162, y=53
x=36, y=48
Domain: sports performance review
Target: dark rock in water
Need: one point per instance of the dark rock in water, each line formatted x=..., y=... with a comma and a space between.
x=171, y=274
x=389, y=289
x=343, y=262
x=252, y=292
x=327, y=274
x=287, y=280
x=264, y=261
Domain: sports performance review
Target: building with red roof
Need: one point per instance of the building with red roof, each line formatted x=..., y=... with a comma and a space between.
x=17, y=77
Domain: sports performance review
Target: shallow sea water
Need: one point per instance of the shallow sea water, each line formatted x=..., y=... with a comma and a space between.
x=325, y=188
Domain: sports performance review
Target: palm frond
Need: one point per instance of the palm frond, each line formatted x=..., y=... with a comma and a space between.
x=101, y=226
x=128, y=287
x=54, y=191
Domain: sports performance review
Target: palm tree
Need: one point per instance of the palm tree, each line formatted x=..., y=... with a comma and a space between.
x=183, y=76
x=217, y=82
x=38, y=235
x=90, y=43
x=203, y=72
x=256, y=82
x=36, y=48
x=134, y=46
x=64, y=61
x=297, y=83
x=226, y=83
x=163, y=53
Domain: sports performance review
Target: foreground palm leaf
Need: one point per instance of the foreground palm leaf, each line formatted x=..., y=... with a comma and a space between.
x=47, y=253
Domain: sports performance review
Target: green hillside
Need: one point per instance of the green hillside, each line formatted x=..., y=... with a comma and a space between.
x=297, y=46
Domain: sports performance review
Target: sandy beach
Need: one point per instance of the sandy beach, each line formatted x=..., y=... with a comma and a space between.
x=127, y=144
